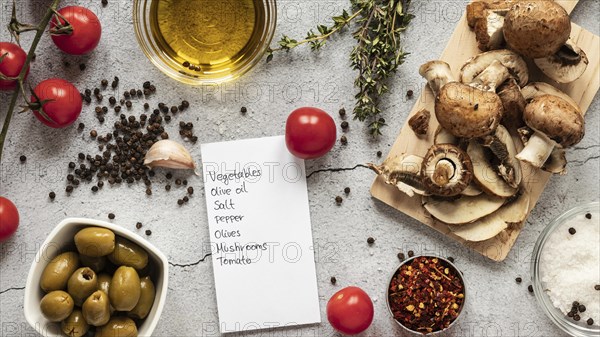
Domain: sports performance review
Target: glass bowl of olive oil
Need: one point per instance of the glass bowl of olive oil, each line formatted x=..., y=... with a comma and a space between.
x=204, y=41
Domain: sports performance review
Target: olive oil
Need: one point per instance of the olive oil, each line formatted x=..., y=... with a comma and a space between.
x=207, y=36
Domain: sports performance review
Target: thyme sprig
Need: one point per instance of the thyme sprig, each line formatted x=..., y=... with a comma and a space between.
x=376, y=56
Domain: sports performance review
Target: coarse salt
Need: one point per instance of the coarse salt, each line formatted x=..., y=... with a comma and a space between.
x=570, y=266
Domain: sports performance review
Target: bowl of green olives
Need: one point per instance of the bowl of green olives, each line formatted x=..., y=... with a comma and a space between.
x=94, y=278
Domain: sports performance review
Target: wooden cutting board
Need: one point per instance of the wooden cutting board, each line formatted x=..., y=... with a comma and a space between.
x=462, y=46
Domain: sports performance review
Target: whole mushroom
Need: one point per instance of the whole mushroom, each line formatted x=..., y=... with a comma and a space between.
x=555, y=122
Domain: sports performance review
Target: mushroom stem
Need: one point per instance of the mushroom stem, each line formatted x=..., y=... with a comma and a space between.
x=538, y=149
x=444, y=171
x=492, y=77
x=437, y=73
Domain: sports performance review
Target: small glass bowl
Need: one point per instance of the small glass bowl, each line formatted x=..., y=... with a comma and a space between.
x=568, y=325
x=461, y=309
x=148, y=42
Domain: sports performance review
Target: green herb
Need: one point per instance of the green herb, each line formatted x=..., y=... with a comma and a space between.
x=376, y=56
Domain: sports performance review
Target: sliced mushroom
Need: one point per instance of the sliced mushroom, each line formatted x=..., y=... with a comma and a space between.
x=404, y=172
x=488, y=31
x=536, y=29
x=484, y=173
x=492, y=77
x=503, y=147
x=493, y=224
x=442, y=136
x=566, y=65
x=556, y=162
x=446, y=170
x=555, y=122
x=535, y=89
x=512, y=61
x=419, y=123
x=462, y=210
x=513, y=102
x=437, y=73
x=472, y=190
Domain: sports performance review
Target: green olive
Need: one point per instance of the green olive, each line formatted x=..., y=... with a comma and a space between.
x=74, y=325
x=97, y=263
x=56, y=274
x=147, y=295
x=82, y=284
x=127, y=253
x=118, y=327
x=125, y=289
x=95, y=241
x=104, y=282
x=96, y=309
x=57, y=305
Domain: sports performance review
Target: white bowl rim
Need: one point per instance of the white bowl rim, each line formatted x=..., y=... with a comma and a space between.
x=117, y=230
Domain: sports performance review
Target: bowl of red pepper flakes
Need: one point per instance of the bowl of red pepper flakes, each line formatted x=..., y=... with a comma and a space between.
x=426, y=294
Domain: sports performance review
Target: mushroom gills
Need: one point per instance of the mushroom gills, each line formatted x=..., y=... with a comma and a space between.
x=446, y=170
x=484, y=174
x=504, y=150
x=462, y=210
x=403, y=172
x=507, y=216
x=566, y=65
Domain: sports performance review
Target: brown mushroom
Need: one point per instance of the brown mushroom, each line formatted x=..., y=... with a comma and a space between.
x=446, y=170
x=566, y=65
x=513, y=102
x=419, y=123
x=488, y=31
x=536, y=29
x=555, y=122
x=512, y=61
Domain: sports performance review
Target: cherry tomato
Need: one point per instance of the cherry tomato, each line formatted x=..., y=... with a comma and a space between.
x=309, y=133
x=11, y=64
x=350, y=311
x=9, y=218
x=86, y=32
x=63, y=104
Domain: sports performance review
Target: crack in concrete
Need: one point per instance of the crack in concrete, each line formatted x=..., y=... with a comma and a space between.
x=583, y=162
x=576, y=148
x=339, y=169
x=10, y=289
x=190, y=264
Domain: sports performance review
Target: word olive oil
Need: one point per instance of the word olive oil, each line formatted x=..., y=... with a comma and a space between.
x=208, y=37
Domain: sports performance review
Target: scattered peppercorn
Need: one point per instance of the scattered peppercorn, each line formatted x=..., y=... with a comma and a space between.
x=128, y=104
x=342, y=112
x=146, y=106
x=530, y=288
x=186, y=199
x=411, y=253
x=185, y=104
x=243, y=110
x=93, y=133
x=104, y=82
x=71, y=165
x=576, y=317
x=81, y=156
x=370, y=240
x=190, y=190
x=338, y=200
x=104, y=2
x=344, y=125
x=69, y=189
x=177, y=182
x=409, y=93
x=588, y=215
x=572, y=231
x=333, y=280
x=138, y=225
x=148, y=232
x=379, y=154
x=180, y=202
x=597, y=287
x=401, y=256
x=590, y=321
x=186, y=64
x=94, y=188
x=451, y=259
x=519, y=280
x=169, y=175
x=168, y=187
x=148, y=191
x=581, y=308
x=111, y=216
x=81, y=126
x=22, y=158
x=52, y=195
x=344, y=140
x=82, y=66
x=347, y=190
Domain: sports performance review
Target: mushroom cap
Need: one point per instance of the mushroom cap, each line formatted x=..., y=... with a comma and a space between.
x=536, y=28
x=468, y=112
x=446, y=170
x=556, y=118
x=511, y=60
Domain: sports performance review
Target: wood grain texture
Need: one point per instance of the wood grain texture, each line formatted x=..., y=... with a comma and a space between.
x=460, y=48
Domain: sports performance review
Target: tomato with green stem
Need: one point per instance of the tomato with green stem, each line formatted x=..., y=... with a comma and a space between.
x=12, y=60
x=56, y=103
x=9, y=219
x=76, y=30
x=350, y=311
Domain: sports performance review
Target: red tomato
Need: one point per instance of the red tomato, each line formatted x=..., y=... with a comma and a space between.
x=11, y=64
x=86, y=31
x=9, y=218
x=309, y=133
x=350, y=311
x=64, y=102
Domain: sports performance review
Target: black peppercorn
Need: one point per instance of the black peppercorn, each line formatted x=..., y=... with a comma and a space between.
x=581, y=308
x=344, y=140
x=180, y=202
x=576, y=317
x=411, y=253
x=185, y=64
x=333, y=280
x=81, y=126
x=112, y=100
x=344, y=125
x=338, y=200
x=347, y=190
x=597, y=287
x=52, y=195
x=93, y=133
x=518, y=280
x=530, y=288
x=128, y=104
x=184, y=182
x=148, y=232
x=401, y=256
x=186, y=199
x=69, y=189
x=104, y=82
x=590, y=321
x=178, y=182
x=148, y=191
x=379, y=154
x=118, y=109
x=94, y=188
x=243, y=110
x=82, y=66
x=71, y=165
x=342, y=112
x=138, y=225
x=168, y=187
x=409, y=93
x=169, y=175
x=570, y=314
x=190, y=190
x=111, y=216
x=104, y=2
x=174, y=109
x=451, y=259
x=588, y=215
x=370, y=241
x=572, y=231
x=185, y=104
x=22, y=158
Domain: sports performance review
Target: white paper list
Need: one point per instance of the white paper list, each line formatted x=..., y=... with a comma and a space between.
x=260, y=232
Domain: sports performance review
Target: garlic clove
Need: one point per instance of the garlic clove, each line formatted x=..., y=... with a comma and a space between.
x=169, y=154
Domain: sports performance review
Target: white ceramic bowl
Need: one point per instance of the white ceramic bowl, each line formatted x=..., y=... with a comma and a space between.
x=60, y=239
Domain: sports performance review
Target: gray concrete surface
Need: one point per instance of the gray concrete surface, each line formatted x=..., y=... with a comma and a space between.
x=497, y=307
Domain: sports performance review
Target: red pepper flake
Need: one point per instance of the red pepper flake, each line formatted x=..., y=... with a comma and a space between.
x=426, y=295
